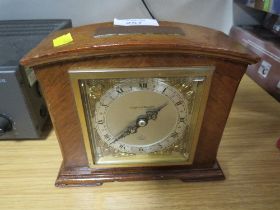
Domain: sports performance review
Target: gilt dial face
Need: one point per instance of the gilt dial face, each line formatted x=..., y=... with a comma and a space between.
x=141, y=116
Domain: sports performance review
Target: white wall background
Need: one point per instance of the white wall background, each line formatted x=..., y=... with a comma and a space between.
x=217, y=14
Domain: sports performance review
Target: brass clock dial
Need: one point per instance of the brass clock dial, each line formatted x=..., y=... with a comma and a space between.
x=141, y=116
x=129, y=119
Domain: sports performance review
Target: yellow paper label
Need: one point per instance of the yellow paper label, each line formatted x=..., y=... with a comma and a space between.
x=62, y=40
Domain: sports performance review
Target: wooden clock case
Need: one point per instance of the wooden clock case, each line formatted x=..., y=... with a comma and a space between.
x=107, y=46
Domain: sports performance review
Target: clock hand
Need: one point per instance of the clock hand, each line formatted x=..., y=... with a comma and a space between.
x=132, y=128
x=152, y=114
x=141, y=121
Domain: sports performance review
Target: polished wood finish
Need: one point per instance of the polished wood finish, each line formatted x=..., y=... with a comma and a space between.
x=96, y=177
x=51, y=66
x=247, y=154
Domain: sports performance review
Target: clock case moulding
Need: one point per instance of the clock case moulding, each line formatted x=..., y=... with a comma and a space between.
x=101, y=46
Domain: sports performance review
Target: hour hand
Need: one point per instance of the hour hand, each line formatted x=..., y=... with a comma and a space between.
x=161, y=106
x=152, y=114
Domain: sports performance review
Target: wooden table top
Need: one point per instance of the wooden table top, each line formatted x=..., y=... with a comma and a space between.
x=247, y=155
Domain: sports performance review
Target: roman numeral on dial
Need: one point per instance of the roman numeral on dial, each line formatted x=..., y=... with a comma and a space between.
x=119, y=90
x=143, y=85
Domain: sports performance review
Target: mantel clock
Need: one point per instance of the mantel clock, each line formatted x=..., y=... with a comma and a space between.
x=139, y=103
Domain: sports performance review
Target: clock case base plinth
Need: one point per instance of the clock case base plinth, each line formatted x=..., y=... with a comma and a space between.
x=96, y=177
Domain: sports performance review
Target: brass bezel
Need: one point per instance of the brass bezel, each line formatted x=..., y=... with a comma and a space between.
x=157, y=72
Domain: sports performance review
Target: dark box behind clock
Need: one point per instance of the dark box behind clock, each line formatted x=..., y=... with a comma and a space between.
x=21, y=104
x=266, y=44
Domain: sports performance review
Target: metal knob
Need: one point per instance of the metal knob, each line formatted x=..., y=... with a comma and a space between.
x=141, y=122
x=5, y=124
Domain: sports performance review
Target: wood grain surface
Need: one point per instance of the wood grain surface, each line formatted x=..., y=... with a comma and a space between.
x=247, y=155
